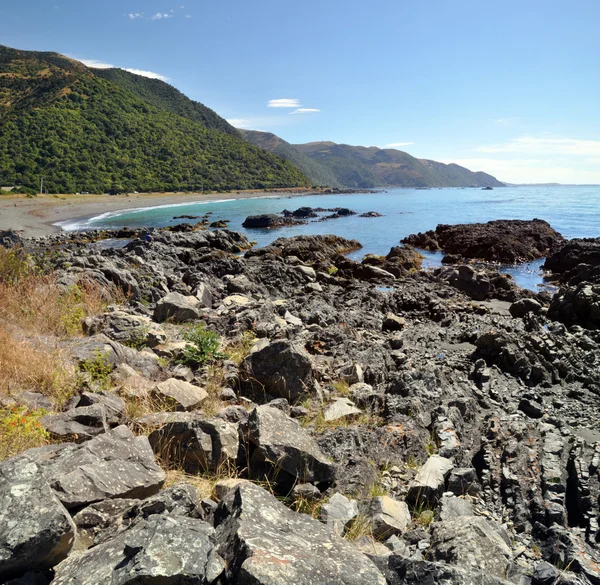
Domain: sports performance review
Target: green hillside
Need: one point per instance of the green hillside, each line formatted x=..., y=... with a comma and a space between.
x=166, y=97
x=318, y=173
x=82, y=132
x=359, y=166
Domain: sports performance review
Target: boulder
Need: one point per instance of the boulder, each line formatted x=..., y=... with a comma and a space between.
x=268, y=220
x=574, y=252
x=265, y=543
x=280, y=369
x=36, y=531
x=77, y=424
x=341, y=408
x=387, y=516
x=116, y=464
x=131, y=330
x=163, y=549
x=523, y=307
x=463, y=481
x=452, y=507
x=393, y=323
x=577, y=305
x=430, y=480
x=278, y=441
x=184, y=395
x=197, y=444
x=338, y=512
x=472, y=542
x=177, y=308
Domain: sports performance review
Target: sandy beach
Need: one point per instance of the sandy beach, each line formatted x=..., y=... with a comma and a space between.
x=36, y=216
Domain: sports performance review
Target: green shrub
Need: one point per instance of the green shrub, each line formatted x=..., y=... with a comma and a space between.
x=202, y=346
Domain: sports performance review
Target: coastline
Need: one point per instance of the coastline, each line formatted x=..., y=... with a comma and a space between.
x=36, y=216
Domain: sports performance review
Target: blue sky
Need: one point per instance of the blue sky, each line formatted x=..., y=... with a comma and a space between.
x=505, y=86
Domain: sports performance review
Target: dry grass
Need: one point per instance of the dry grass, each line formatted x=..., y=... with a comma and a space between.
x=361, y=526
x=204, y=486
x=236, y=350
x=20, y=430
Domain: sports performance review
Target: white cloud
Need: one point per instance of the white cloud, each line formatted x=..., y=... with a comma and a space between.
x=398, y=144
x=149, y=74
x=239, y=122
x=134, y=15
x=161, y=16
x=505, y=121
x=305, y=111
x=95, y=64
x=547, y=145
x=284, y=103
x=188, y=16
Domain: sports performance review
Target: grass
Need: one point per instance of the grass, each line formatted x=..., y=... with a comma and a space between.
x=20, y=429
x=202, y=346
x=238, y=349
x=360, y=526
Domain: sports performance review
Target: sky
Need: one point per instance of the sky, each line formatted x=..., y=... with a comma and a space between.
x=510, y=87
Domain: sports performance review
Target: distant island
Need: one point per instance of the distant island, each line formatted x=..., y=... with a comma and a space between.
x=68, y=128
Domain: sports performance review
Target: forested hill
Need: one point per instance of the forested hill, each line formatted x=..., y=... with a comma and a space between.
x=84, y=132
x=360, y=166
x=341, y=165
x=319, y=173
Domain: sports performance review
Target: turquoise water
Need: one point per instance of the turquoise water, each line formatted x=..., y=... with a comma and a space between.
x=573, y=211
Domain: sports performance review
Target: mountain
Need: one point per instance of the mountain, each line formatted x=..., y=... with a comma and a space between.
x=96, y=130
x=341, y=165
x=318, y=172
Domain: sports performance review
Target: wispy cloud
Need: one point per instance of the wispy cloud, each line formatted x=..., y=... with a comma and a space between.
x=398, y=144
x=546, y=145
x=239, y=123
x=134, y=15
x=284, y=103
x=95, y=64
x=161, y=16
x=305, y=111
x=505, y=121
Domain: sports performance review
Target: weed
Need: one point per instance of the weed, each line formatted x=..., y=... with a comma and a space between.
x=360, y=526
x=97, y=370
x=20, y=429
x=340, y=388
x=237, y=350
x=332, y=270
x=202, y=346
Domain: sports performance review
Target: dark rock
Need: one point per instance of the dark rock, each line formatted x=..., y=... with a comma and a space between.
x=163, y=549
x=177, y=308
x=36, y=532
x=263, y=542
x=505, y=241
x=77, y=424
x=531, y=408
x=574, y=252
x=371, y=214
x=523, y=307
x=269, y=221
x=578, y=305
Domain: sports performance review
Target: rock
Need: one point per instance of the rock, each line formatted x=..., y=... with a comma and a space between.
x=393, y=323
x=131, y=330
x=463, y=481
x=114, y=407
x=341, y=408
x=197, y=444
x=452, y=507
x=387, y=516
x=177, y=308
x=36, y=531
x=400, y=570
x=369, y=272
x=577, y=305
x=161, y=549
x=504, y=241
x=116, y=464
x=523, y=307
x=471, y=542
x=572, y=254
x=352, y=374
x=429, y=482
x=406, y=257
x=236, y=301
x=77, y=424
x=224, y=486
x=371, y=547
x=280, y=369
x=531, y=408
x=204, y=295
x=35, y=400
x=263, y=542
x=545, y=574
x=308, y=273
x=338, y=512
x=269, y=220
x=186, y=396
x=278, y=440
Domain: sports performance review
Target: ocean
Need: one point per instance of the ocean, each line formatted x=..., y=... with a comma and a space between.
x=574, y=211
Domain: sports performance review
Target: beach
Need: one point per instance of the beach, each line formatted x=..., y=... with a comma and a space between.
x=37, y=216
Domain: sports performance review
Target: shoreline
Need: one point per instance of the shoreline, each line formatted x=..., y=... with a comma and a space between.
x=37, y=216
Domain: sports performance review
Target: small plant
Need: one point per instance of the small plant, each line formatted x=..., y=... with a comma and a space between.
x=202, y=346
x=238, y=350
x=332, y=270
x=361, y=526
x=425, y=518
x=138, y=339
x=20, y=429
x=340, y=388
x=97, y=370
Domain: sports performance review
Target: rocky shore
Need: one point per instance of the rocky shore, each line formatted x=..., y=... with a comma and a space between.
x=357, y=422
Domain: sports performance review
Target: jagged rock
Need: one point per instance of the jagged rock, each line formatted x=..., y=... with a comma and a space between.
x=114, y=407
x=578, y=304
x=162, y=549
x=523, y=307
x=184, y=395
x=204, y=294
x=472, y=542
x=429, y=482
x=132, y=330
x=177, y=308
x=116, y=464
x=338, y=512
x=573, y=253
x=352, y=374
x=265, y=543
x=77, y=424
x=452, y=507
x=387, y=516
x=36, y=531
x=197, y=444
x=531, y=408
x=269, y=220
x=276, y=440
x=308, y=273
x=280, y=369
x=393, y=323
x=463, y=482
x=341, y=408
